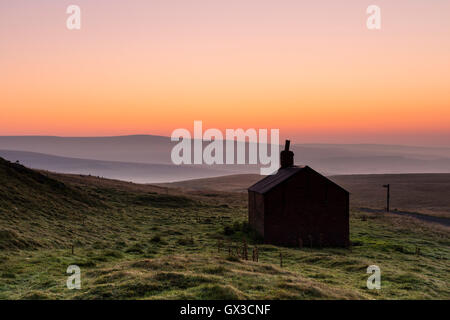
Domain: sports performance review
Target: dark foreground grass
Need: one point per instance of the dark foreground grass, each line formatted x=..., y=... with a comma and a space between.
x=134, y=242
x=181, y=260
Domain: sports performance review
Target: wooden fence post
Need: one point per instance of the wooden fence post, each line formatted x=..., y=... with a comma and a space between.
x=245, y=253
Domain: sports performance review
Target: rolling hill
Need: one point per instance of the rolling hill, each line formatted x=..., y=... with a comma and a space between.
x=126, y=171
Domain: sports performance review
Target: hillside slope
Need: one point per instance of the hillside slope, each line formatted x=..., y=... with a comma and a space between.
x=42, y=209
x=32, y=204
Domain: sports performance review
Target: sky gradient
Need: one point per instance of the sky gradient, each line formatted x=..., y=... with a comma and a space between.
x=310, y=68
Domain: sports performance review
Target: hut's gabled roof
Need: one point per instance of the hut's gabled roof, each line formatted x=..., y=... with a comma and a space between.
x=267, y=183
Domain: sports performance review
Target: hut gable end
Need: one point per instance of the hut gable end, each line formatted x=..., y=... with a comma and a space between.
x=297, y=205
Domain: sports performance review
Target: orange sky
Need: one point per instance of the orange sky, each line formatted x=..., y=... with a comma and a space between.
x=312, y=70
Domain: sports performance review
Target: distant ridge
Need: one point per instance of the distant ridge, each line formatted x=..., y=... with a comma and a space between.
x=127, y=171
x=140, y=155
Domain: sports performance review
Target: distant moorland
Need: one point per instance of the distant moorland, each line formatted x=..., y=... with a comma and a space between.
x=146, y=158
x=425, y=193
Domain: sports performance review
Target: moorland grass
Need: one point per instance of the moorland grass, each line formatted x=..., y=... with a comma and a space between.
x=134, y=242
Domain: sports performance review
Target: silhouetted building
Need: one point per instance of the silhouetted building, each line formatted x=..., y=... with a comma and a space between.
x=299, y=206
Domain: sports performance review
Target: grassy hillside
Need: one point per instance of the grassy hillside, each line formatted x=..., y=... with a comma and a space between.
x=145, y=242
x=39, y=211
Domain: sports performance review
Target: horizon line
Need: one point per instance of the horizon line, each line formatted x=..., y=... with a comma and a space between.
x=168, y=137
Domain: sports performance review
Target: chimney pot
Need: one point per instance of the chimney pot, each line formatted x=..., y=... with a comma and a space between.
x=286, y=145
x=286, y=156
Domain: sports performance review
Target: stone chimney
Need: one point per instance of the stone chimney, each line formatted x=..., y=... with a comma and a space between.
x=286, y=156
